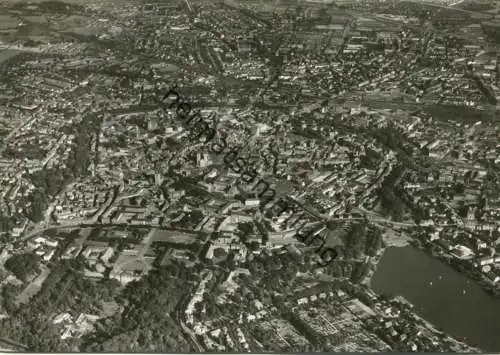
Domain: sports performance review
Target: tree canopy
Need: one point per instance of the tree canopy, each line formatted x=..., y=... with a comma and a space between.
x=23, y=265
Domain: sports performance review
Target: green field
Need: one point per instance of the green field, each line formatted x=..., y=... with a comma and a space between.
x=8, y=21
x=7, y=54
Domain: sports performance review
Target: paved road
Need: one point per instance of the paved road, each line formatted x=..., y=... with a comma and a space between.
x=13, y=343
x=192, y=336
x=371, y=219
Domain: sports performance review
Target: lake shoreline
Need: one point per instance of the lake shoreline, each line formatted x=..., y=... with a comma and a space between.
x=442, y=295
x=470, y=274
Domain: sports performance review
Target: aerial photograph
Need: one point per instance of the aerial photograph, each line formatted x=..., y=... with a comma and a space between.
x=250, y=176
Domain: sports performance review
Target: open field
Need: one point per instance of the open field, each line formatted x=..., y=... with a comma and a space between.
x=174, y=237
x=7, y=54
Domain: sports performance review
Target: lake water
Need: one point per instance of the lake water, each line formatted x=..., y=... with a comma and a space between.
x=441, y=295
